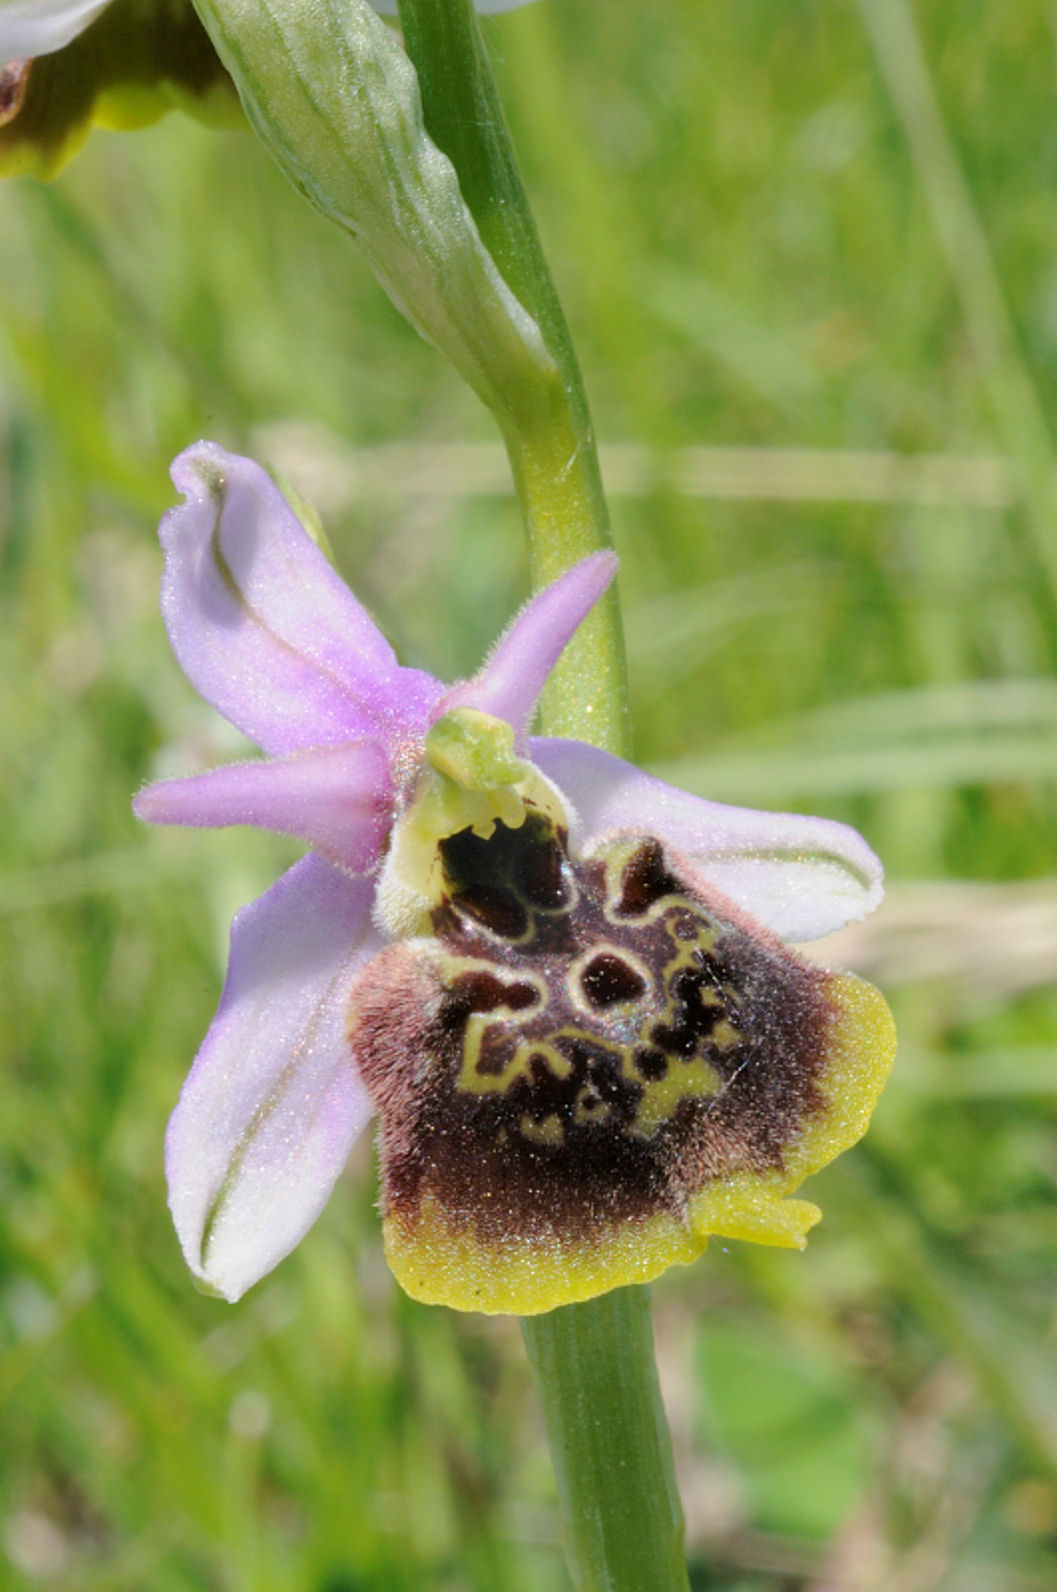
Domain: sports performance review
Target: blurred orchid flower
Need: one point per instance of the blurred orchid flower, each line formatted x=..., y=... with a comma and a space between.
x=38, y=27
x=558, y=981
x=69, y=65
x=30, y=28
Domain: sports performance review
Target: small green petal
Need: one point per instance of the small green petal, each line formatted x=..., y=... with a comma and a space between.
x=140, y=59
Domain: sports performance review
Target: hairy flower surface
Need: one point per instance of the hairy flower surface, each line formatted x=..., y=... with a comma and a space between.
x=559, y=982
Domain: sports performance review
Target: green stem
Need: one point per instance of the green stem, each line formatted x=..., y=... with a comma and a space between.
x=597, y=1381
x=547, y=428
x=1006, y=377
x=593, y=1363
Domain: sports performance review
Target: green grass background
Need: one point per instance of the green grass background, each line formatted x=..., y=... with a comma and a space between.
x=776, y=225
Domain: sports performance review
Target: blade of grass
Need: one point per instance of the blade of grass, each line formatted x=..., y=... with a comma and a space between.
x=1006, y=379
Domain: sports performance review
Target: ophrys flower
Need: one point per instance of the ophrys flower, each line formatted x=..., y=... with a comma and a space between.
x=558, y=981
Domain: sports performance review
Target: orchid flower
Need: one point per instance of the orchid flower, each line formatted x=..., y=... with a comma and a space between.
x=559, y=982
x=69, y=66
x=30, y=28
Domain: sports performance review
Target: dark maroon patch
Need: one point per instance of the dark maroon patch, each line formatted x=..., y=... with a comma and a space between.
x=695, y=1015
x=479, y=991
x=14, y=80
x=498, y=910
x=608, y=979
x=608, y=1061
x=540, y=874
x=646, y=879
x=652, y=1064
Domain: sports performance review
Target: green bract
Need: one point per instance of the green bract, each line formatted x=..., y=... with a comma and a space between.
x=336, y=100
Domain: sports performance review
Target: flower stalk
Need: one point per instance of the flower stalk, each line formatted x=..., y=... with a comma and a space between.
x=548, y=432
x=594, y=1368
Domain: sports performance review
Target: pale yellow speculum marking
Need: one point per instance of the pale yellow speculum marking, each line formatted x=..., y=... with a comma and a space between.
x=703, y=940
x=550, y=1131
x=472, y=1081
x=684, y=1080
x=617, y=859
x=687, y=1080
x=724, y=1034
x=590, y=1107
x=693, y=1078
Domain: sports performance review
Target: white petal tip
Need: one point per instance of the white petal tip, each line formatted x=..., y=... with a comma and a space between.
x=214, y=1290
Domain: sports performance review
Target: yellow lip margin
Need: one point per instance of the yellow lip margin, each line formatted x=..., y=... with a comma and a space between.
x=438, y=1261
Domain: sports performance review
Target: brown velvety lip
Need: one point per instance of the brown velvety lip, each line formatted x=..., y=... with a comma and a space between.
x=583, y=1043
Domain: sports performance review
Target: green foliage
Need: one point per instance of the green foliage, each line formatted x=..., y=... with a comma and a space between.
x=849, y=610
x=790, y=1417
